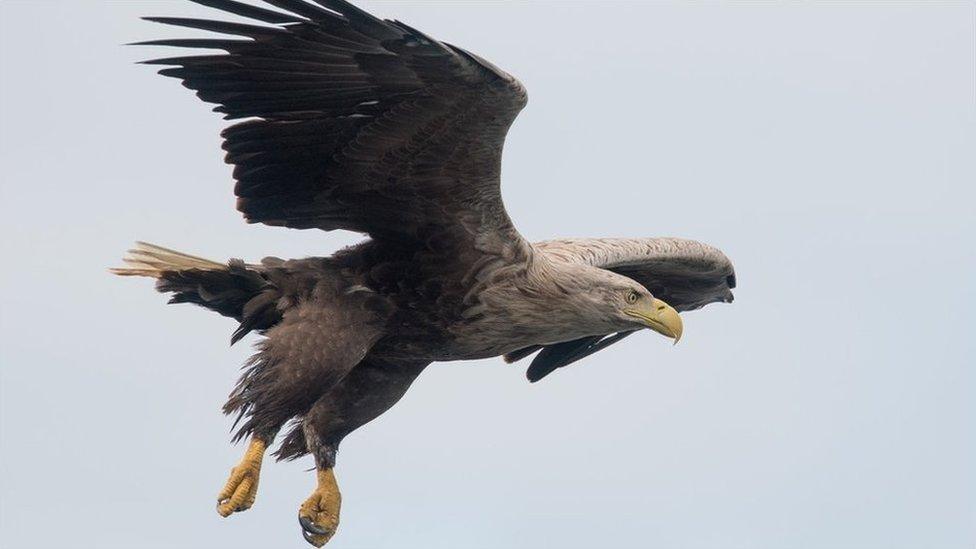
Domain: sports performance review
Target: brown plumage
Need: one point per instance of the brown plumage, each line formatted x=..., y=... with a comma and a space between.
x=356, y=123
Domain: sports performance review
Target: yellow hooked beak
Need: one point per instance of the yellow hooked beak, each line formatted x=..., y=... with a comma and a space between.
x=660, y=317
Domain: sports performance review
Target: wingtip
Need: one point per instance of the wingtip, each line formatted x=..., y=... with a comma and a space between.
x=238, y=334
x=143, y=43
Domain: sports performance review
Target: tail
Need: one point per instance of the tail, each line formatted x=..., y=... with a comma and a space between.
x=154, y=261
x=233, y=289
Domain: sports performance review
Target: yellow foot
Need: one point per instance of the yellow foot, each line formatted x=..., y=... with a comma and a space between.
x=242, y=486
x=319, y=515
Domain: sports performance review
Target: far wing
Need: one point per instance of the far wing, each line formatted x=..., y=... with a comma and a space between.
x=562, y=354
x=684, y=273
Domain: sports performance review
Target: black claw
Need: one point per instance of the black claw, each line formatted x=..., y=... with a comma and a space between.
x=309, y=526
x=308, y=538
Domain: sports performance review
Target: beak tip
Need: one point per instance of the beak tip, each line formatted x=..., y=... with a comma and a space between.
x=663, y=319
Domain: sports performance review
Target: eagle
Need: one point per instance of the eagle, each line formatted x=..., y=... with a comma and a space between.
x=350, y=122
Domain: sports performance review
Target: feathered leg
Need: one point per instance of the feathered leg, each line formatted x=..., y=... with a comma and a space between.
x=316, y=344
x=369, y=390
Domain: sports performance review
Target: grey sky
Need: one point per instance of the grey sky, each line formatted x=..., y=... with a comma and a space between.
x=827, y=149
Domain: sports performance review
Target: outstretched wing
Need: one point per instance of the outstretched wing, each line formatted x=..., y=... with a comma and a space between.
x=684, y=273
x=354, y=122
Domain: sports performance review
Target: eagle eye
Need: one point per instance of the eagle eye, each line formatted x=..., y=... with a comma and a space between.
x=632, y=297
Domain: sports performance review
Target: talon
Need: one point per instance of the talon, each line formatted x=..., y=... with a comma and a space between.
x=317, y=541
x=309, y=526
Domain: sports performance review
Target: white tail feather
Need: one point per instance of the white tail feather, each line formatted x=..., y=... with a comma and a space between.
x=151, y=260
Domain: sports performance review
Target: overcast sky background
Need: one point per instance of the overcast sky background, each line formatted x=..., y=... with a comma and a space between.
x=827, y=149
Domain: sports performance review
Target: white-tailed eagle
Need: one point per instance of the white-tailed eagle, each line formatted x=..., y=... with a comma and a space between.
x=357, y=123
